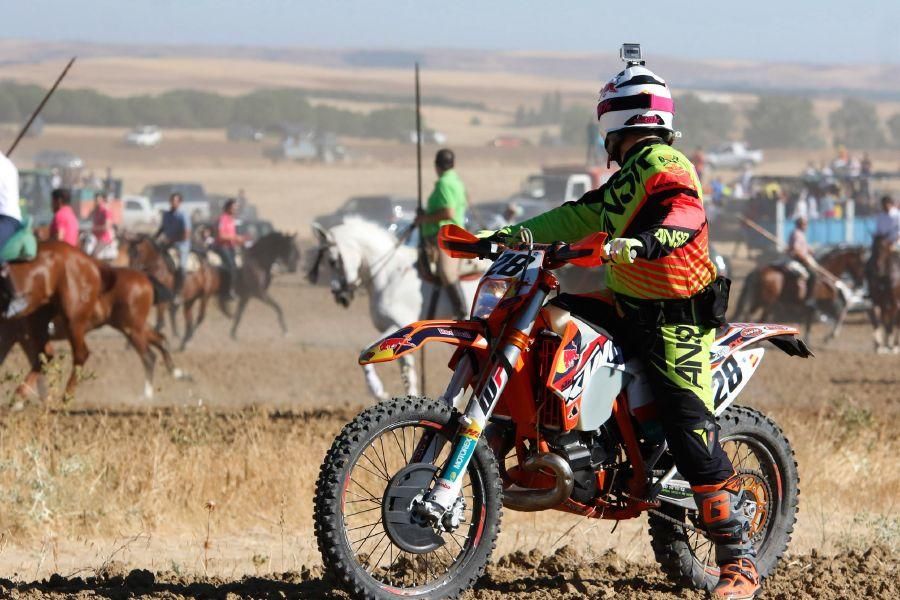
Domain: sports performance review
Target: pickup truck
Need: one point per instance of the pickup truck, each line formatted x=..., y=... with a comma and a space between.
x=563, y=183
x=194, y=199
x=733, y=155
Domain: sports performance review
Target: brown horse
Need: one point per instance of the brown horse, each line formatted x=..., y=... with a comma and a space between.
x=78, y=293
x=768, y=290
x=255, y=274
x=199, y=286
x=884, y=289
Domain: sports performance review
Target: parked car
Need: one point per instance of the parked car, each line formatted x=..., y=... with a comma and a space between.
x=145, y=136
x=390, y=212
x=244, y=133
x=57, y=159
x=733, y=155
x=429, y=136
x=509, y=141
x=307, y=148
x=194, y=199
x=138, y=214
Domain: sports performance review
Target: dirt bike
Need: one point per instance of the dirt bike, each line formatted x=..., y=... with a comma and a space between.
x=542, y=411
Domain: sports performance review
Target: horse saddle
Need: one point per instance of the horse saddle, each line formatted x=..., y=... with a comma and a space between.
x=194, y=261
x=22, y=246
x=215, y=260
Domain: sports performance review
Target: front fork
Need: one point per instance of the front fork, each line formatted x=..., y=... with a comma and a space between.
x=448, y=484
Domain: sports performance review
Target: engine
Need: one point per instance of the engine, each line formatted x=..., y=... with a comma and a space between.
x=586, y=452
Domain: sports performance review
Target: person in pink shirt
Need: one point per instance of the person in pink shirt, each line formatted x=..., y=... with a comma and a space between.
x=227, y=242
x=105, y=246
x=64, y=226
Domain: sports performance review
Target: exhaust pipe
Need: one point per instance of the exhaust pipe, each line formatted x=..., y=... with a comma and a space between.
x=534, y=500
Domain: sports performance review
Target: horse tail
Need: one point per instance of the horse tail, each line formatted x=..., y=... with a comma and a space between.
x=751, y=284
x=160, y=292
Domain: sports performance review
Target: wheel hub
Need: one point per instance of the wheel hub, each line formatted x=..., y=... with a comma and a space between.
x=757, y=500
x=402, y=524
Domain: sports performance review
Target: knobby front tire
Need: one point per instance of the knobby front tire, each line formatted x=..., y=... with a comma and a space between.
x=356, y=548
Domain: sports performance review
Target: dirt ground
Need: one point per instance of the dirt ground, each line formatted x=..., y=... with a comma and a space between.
x=206, y=491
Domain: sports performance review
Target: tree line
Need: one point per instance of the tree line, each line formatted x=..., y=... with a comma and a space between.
x=265, y=109
x=774, y=121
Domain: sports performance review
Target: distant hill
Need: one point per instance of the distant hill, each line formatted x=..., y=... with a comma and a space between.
x=876, y=81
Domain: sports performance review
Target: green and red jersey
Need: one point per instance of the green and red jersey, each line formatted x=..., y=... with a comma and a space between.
x=656, y=198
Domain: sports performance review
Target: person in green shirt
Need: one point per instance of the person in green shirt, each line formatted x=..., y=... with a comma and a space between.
x=446, y=205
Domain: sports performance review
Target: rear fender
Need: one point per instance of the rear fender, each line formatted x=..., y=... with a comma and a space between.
x=733, y=364
x=466, y=334
x=737, y=336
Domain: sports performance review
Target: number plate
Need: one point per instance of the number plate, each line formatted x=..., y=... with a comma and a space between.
x=511, y=265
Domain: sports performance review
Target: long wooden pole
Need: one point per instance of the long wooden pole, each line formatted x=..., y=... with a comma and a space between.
x=780, y=245
x=40, y=107
x=423, y=257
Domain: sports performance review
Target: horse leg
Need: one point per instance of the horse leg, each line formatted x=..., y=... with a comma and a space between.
x=242, y=304
x=173, y=319
x=188, y=324
x=160, y=316
x=841, y=310
x=148, y=359
x=80, y=355
x=159, y=342
x=376, y=387
x=408, y=374
x=269, y=301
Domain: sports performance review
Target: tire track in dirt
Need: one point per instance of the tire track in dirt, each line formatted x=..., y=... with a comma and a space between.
x=565, y=575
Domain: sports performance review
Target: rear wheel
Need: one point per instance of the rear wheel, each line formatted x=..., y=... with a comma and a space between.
x=764, y=460
x=368, y=538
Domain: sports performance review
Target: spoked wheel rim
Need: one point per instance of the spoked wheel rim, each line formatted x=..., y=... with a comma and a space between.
x=762, y=483
x=375, y=555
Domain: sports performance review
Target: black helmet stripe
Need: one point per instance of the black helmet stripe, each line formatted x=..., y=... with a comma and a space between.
x=641, y=80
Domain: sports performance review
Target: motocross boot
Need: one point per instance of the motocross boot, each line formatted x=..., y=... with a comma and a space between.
x=722, y=513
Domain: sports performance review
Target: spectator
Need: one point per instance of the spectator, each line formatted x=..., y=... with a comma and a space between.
x=64, y=226
x=699, y=160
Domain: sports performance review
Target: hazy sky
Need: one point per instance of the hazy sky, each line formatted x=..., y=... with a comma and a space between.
x=809, y=31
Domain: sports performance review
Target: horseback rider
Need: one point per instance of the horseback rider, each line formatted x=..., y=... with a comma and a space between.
x=227, y=243
x=885, y=238
x=175, y=231
x=802, y=263
x=446, y=205
x=666, y=297
x=10, y=222
x=102, y=228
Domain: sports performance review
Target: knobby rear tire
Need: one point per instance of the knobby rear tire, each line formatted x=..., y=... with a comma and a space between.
x=671, y=544
x=339, y=559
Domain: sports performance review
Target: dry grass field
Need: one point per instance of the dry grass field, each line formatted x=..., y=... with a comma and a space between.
x=212, y=481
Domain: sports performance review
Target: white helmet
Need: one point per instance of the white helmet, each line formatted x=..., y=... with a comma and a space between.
x=635, y=99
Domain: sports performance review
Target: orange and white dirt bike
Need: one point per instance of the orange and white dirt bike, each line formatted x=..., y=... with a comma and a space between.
x=542, y=411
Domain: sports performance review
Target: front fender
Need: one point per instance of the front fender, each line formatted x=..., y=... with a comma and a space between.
x=412, y=337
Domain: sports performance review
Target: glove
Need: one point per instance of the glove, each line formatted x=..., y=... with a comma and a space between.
x=622, y=251
x=493, y=236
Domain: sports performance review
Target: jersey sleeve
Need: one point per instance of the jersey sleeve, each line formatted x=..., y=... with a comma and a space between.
x=672, y=215
x=570, y=222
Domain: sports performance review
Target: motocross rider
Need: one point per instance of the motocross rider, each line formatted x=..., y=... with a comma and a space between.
x=666, y=290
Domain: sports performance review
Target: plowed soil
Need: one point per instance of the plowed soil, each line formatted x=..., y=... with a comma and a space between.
x=564, y=575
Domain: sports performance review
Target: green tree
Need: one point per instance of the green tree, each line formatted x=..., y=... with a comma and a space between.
x=783, y=122
x=575, y=121
x=703, y=123
x=855, y=125
x=894, y=127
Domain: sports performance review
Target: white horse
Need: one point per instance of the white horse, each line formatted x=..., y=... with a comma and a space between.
x=362, y=254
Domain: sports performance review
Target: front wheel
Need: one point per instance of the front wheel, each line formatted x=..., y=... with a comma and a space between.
x=369, y=540
x=764, y=459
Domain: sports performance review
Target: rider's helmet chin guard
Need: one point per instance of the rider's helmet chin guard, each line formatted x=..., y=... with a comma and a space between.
x=636, y=99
